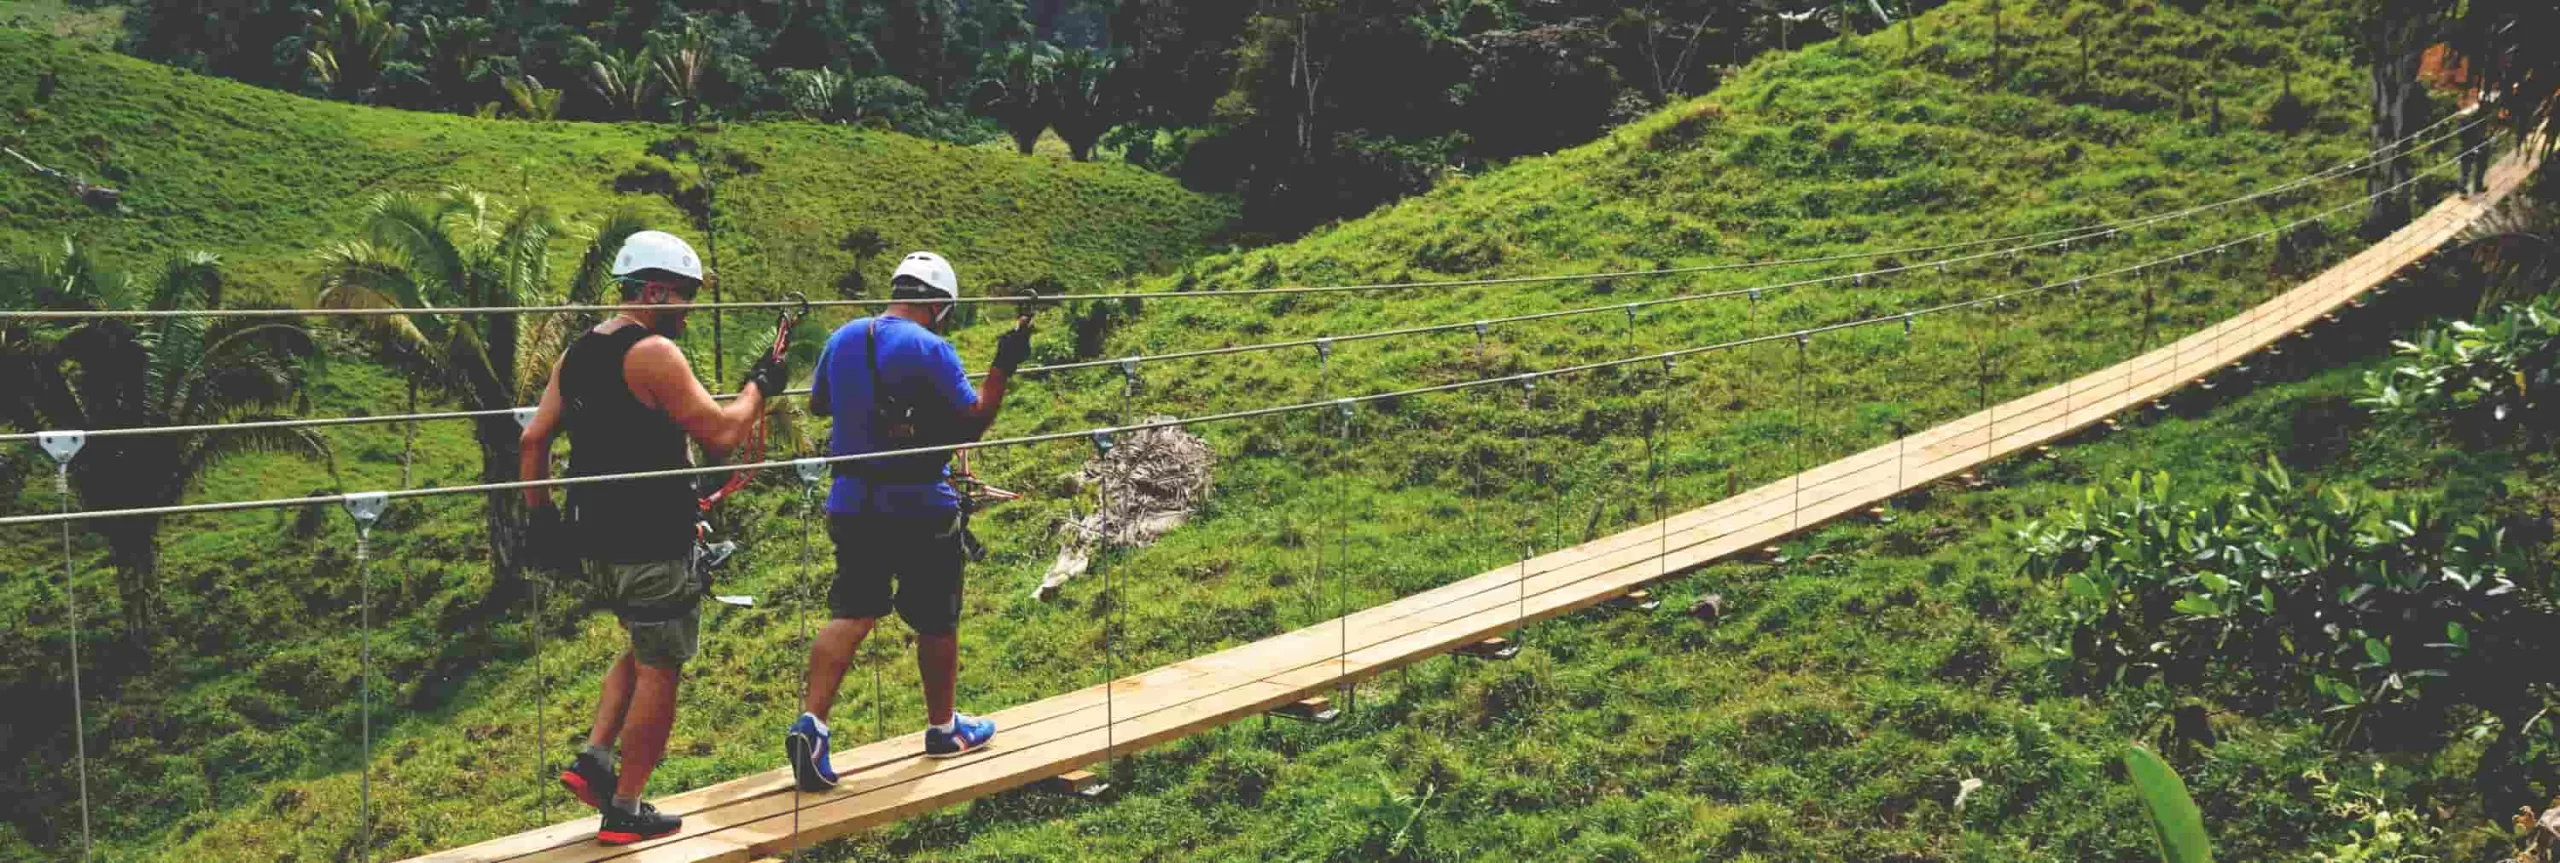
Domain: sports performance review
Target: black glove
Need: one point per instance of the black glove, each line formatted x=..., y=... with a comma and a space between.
x=772, y=374
x=546, y=541
x=1013, y=347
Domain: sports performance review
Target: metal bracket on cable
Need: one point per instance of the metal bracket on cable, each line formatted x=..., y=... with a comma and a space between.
x=1102, y=441
x=1631, y=315
x=811, y=470
x=1481, y=328
x=1942, y=268
x=366, y=508
x=1906, y=323
x=1528, y=388
x=1129, y=374
x=1324, y=351
x=1669, y=363
x=2075, y=286
x=1860, y=280
x=1755, y=299
x=63, y=446
x=1345, y=406
x=524, y=416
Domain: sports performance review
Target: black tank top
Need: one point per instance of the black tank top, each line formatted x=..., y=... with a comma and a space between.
x=610, y=432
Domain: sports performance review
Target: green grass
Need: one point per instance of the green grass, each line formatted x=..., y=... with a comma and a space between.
x=98, y=25
x=1830, y=718
x=264, y=178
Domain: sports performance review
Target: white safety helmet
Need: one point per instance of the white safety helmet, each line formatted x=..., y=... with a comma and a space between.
x=657, y=250
x=930, y=269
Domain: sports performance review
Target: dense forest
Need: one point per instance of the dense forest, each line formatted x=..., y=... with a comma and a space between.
x=1311, y=110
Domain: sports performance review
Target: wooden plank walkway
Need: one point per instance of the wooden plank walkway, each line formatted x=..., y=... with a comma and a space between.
x=754, y=817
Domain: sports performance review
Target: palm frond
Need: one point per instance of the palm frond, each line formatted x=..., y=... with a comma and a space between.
x=200, y=451
x=362, y=275
x=415, y=226
x=604, y=240
x=259, y=366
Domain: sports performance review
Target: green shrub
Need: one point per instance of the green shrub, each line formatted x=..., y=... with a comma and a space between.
x=2385, y=616
x=2483, y=380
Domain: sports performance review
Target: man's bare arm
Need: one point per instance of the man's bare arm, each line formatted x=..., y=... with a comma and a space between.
x=533, y=448
x=661, y=378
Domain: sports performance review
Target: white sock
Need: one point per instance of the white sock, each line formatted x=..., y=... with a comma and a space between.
x=951, y=726
x=822, y=724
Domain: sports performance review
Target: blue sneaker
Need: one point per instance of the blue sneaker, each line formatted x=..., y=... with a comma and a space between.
x=806, y=747
x=967, y=735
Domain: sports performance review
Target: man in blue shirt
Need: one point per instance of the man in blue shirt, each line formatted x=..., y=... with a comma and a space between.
x=892, y=383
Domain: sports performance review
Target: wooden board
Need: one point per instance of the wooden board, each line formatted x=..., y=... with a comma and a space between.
x=762, y=816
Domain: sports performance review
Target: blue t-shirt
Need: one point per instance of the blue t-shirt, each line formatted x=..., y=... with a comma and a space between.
x=915, y=364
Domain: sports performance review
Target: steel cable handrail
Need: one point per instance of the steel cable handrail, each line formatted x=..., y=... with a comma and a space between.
x=1479, y=324
x=1103, y=433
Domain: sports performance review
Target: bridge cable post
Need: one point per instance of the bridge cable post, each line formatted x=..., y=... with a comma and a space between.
x=1982, y=375
x=1901, y=435
x=812, y=472
x=1520, y=612
x=1111, y=582
x=537, y=577
x=1795, y=505
x=1342, y=577
x=1110, y=657
x=2150, y=326
x=366, y=510
x=64, y=446
x=1653, y=474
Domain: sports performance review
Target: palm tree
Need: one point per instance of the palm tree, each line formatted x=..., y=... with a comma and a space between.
x=531, y=100
x=179, y=371
x=1014, y=91
x=457, y=52
x=623, y=79
x=351, y=41
x=1081, y=97
x=462, y=247
x=679, y=62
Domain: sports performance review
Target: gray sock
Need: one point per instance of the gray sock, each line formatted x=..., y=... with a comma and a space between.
x=600, y=754
x=626, y=804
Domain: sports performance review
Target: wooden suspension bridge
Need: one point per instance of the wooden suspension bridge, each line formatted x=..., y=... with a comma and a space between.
x=763, y=816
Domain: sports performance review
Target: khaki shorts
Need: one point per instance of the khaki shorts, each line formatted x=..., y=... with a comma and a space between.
x=659, y=604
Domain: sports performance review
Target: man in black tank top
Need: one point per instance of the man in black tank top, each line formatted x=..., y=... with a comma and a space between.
x=629, y=401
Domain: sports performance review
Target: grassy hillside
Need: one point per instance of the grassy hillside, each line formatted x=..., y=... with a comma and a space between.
x=1869, y=143
x=263, y=178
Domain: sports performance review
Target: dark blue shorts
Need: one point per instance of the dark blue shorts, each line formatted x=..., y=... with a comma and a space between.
x=909, y=563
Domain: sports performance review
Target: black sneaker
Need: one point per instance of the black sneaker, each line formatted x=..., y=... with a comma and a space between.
x=591, y=779
x=643, y=821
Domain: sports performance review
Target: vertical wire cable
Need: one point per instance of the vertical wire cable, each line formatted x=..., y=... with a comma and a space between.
x=1982, y=377
x=1901, y=428
x=1112, y=614
x=808, y=525
x=1795, y=506
x=1342, y=573
x=71, y=597
x=1520, y=611
x=364, y=688
x=541, y=703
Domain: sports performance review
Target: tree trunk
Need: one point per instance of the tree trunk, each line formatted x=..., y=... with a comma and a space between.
x=498, y=449
x=133, y=548
x=2395, y=87
x=2396, y=37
